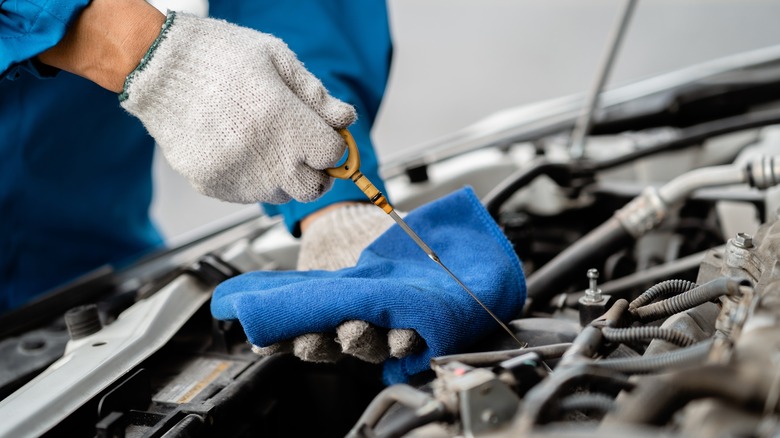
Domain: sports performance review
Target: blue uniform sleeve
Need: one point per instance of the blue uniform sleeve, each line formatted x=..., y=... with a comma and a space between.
x=347, y=45
x=28, y=28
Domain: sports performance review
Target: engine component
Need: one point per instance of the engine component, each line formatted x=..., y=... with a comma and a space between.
x=642, y=215
x=82, y=321
x=593, y=304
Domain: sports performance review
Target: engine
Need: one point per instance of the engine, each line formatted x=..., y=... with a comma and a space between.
x=653, y=276
x=651, y=322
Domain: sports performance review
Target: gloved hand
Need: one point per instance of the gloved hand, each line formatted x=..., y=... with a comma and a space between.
x=236, y=113
x=335, y=241
x=393, y=285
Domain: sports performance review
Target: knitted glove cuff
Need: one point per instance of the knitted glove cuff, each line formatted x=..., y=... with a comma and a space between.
x=148, y=55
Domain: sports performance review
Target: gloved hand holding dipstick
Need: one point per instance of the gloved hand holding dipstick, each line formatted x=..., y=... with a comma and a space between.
x=230, y=106
x=238, y=115
x=232, y=109
x=259, y=128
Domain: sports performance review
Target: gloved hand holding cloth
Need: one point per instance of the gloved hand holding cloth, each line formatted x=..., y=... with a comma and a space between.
x=394, y=285
x=334, y=240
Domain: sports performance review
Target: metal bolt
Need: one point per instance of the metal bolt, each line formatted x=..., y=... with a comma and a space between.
x=490, y=417
x=743, y=240
x=593, y=293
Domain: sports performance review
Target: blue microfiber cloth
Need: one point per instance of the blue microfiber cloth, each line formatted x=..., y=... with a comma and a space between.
x=393, y=285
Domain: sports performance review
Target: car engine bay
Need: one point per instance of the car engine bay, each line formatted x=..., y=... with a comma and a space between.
x=653, y=275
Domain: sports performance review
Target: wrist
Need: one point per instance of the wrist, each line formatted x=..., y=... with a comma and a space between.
x=107, y=41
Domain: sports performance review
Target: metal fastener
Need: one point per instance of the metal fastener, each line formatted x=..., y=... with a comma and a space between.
x=489, y=417
x=593, y=293
x=743, y=240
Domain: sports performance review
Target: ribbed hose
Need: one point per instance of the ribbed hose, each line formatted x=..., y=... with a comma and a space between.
x=588, y=402
x=690, y=299
x=694, y=354
x=662, y=290
x=643, y=333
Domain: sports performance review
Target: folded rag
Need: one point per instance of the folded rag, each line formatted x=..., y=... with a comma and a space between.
x=393, y=285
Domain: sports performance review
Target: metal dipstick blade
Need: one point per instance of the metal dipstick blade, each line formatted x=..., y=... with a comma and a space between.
x=432, y=255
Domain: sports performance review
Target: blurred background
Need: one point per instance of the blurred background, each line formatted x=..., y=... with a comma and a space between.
x=457, y=61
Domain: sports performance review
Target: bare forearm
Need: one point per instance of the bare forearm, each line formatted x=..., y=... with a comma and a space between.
x=107, y=41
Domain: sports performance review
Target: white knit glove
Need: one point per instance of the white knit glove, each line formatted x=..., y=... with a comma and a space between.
x=334, y=241
x=236, y=113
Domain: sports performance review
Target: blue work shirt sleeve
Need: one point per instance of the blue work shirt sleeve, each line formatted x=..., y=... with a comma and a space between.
x=28, y=28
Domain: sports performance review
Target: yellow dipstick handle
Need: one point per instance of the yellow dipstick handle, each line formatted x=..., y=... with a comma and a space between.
x=351, y=170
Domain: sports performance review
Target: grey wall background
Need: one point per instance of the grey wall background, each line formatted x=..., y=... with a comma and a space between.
x=457, y=61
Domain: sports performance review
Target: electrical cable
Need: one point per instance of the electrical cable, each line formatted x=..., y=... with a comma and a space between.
x=644, y=333
x=690, y=299
x=694, y=354
x=662, y=290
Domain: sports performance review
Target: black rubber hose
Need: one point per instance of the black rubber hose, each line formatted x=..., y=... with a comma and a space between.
x=662, y=290
x=694, y=354
x=404, y=395
x=690, y=299
x=657, y=398
x=551, y=278
x=584, y=347
x=643, y=333
x=419, y=418
x=561, y=173
x=624, y=285
x=537, y=403
x=588, y=402
x=489, y=358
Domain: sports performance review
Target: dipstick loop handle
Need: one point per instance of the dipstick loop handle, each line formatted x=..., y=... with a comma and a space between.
x=351, y=170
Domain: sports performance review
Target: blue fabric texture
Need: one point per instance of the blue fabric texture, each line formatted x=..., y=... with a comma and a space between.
x=28, y=28
x=75, y=184
x=393, y=285
x=75, y=169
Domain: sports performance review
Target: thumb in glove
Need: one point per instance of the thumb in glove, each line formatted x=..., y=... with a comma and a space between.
x=236, y=113
x=393, y=285
x=334, y=241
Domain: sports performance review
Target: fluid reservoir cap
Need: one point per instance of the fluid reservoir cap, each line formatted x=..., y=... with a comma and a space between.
x=82, y=321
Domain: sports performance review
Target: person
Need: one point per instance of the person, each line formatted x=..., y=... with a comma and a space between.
x=225, y=98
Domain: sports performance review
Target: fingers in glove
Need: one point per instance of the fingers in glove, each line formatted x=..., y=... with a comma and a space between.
x=280, y=347
x=330, y=146
x=306, y=184
x=310, y=90
x=365, y=341
x=403, y=342
x=316, y=347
